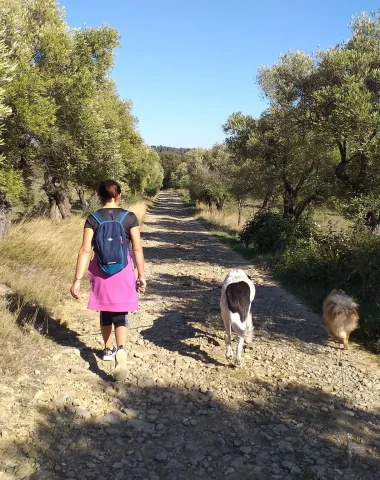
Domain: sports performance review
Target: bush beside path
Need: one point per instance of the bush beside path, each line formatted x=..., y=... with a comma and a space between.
x=299, y=408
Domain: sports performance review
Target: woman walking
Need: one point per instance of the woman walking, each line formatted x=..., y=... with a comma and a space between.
x=109, y=232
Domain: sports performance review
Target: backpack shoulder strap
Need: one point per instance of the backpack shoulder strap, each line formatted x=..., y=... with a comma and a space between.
x=97, y=217
x=122, y=216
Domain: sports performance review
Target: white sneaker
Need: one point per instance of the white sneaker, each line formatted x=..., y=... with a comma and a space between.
x=121, y=370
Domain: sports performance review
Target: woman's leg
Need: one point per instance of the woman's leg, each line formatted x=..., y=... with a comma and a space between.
x=120, y=321
x=106, y=328
x=121, y=334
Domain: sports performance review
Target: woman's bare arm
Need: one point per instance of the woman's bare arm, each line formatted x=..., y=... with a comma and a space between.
x=82, y=261
x=139, y=256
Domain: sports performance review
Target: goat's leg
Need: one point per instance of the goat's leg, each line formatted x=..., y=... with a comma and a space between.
x=239, y=352
x=229, y=352
x=227, y=327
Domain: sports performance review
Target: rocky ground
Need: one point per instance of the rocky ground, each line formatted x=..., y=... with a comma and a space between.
x=299, y=408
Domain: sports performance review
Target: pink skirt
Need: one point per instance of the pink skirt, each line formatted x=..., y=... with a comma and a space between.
x=115, y=293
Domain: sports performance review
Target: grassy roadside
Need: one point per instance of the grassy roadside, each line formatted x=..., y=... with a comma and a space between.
x=21, y=347
x=37, y=263
x=38, y=258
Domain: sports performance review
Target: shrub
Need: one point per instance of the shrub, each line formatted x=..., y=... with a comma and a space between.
x=346, y=260
x=270, y=232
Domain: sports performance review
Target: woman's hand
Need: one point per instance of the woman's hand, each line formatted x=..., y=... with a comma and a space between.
x=75, y=289
x=141, y=284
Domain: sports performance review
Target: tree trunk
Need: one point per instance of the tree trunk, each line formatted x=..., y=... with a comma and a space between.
x=82, y=200
x=5, y=216
x=240, y=208
x=292, y=209
x=373, y=221
x=289, y=196
x=220, y=203
x=357, y=185
x=60, y=207
x=268, y=200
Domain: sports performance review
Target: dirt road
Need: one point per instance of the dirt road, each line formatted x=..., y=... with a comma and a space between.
x=297, y=409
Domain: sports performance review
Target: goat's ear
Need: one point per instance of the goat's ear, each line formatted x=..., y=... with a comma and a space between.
x=249, y=277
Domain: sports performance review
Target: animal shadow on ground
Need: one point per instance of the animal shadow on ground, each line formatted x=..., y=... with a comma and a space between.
x=197, y=314
x=285, y=318
x=181, y=241
x=62, y=334
x=177, y=330
x=187, y=435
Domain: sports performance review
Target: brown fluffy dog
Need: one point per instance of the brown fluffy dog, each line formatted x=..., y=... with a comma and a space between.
x=340, y=316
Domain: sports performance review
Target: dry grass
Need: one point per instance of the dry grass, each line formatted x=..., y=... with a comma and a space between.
x=37, y=260
x=328, y=219
x=139, y=209
x=19, y=345
x=227, y=218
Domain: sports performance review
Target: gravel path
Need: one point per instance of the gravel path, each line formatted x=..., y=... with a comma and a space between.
x=184, y=412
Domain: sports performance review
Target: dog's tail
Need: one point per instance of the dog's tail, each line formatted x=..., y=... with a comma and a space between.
x=238, y=300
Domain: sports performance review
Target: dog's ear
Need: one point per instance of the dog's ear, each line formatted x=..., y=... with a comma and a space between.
x=336, y=291
x=339, y=291
x=249, y=277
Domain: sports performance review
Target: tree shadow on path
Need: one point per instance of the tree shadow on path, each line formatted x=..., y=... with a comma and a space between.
x=181, y=241
x=170, y=433
x=174, y=330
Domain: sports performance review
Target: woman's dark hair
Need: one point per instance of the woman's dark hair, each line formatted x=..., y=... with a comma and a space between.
x=108, y=189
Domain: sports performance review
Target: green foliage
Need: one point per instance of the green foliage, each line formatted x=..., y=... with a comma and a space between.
x=170, y=161
x=161, y=148
x=68, y=120
x=269, y=232
x=338, y=91
x=360, y=209
x=10, y=181
x=6, y=69
x=11, y=184
x=206, y=174
x=349, y=261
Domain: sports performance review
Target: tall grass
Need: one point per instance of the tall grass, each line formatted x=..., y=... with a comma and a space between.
x=19, y=346
x=37, y=259
x=37, y=263
x=226, y=219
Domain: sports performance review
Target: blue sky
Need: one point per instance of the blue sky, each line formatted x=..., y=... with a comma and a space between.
x=187, y=65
